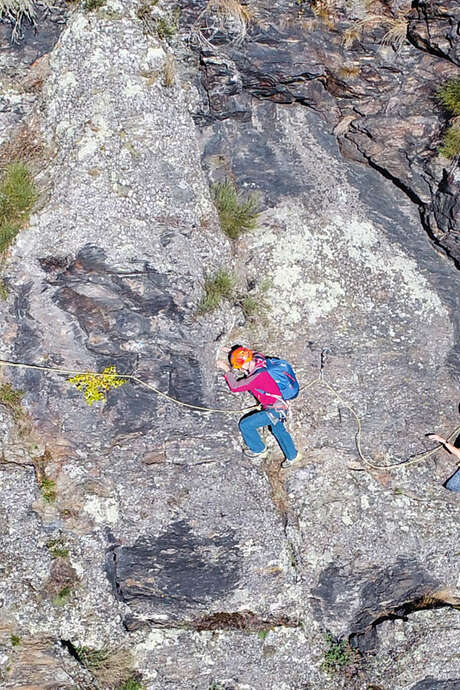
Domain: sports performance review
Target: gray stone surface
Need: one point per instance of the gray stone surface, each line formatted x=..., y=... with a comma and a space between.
x=215, y=572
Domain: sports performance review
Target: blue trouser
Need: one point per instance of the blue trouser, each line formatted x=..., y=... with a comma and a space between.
x=253, y=421
x=453, y=484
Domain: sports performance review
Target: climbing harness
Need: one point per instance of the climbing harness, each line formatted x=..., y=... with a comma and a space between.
x=319, y=379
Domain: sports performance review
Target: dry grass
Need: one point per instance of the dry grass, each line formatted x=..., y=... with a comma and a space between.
x=169, y=71
x=111, y=667
x=18, y=11
x=395, y=35
x=349, y=71
x=11, y=398
x=222, y=16
x=24, y=146
x=325, y=11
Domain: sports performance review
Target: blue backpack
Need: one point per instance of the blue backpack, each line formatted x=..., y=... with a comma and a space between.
x=283, y=375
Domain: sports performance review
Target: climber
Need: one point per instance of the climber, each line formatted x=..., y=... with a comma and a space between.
x=258, y=381
x=453, y=484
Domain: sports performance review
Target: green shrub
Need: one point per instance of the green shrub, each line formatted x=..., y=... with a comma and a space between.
x=449, y=96
x=48, y=489
x=62, y=597
x=338, y=655
x=15, y=640
x=255, y=304
x=3, y=289
x=57, y=548
x=17, y=196
x=451, y=143
x=12, y=399
x=236, y=215
x=90, y=5
x=168, y=25
x=92, y=658
x=131, y=684
x=216, y=288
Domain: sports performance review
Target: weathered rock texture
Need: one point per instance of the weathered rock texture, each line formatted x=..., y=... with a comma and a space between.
x=162, y=538
x=380, y=100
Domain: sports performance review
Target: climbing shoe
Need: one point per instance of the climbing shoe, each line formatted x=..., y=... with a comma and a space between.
x=250, y=453
x=289, y=463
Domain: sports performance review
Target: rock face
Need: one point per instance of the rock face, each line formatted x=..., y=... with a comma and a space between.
x=137, y=524
x=378, y=98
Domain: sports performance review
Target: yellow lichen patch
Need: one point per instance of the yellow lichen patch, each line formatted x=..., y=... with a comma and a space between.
x=95, y=386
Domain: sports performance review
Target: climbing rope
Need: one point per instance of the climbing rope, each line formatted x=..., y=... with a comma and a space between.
x=319, y=379
x=21, y=365
x=403, y=463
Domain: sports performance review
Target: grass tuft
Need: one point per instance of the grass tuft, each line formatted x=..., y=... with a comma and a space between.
x=57, y=548
x=236, y=215
x=15, y=640
x=228, y=17
x=131, y=684
x=168, y=25
x=90, y=5
x=48, y=489
x=396, y=30
x=16, y=11
x=111, y=667
x=449, y=96
x=62, y=597
x=169, y=71
x=338, y=655
x=11, y=398
x=17, y=196
x=451, y=143
x=4, y=292
x=216, y=288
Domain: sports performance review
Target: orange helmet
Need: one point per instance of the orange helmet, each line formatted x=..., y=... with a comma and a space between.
x=240, y=356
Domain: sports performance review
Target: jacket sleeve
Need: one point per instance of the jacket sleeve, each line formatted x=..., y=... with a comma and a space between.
x=240, y=385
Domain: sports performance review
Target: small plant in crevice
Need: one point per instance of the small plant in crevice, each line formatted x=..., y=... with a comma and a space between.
x=90, y=5
x=48, y=489
x=17, y=196
x=222, y=17
x=4, y=292
x=395, y=34
x=449, y=96
x=63, y=596
x=92, y=658
x=338, y=656
x=15, y=640
x=217, y=287
x=236, y=215
x=95, y=386
x=169, y=71
x=57, y=548
x=451, y=144
x=131, y=684
x=263, y=634
x=167, y=26
x=15, y=12
x=255, y=304
x=24, y=146
x=112, y=667
x=11, y=398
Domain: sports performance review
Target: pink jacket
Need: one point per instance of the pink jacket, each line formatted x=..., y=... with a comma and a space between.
x=259, y=383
